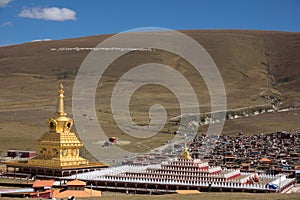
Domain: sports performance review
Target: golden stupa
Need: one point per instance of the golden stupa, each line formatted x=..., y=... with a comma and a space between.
x=186, y=154
x=59, y=147
x=58, y=150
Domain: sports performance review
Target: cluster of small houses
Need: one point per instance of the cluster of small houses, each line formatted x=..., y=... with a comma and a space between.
x=270, y=153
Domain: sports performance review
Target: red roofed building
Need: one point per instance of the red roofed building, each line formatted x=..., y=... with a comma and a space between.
x=42, y=189
x=264, y=164
x=265, y=160
x=43, y=184
x=76, y=188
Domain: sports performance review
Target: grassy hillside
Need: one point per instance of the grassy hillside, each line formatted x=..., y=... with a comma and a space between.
x=256, y=66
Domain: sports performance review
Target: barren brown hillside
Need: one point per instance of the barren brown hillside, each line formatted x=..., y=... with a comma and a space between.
x=257, y=66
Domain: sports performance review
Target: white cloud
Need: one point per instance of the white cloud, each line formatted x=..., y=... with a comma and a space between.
x=4, y=3
x=8, y=23
x=52, y=13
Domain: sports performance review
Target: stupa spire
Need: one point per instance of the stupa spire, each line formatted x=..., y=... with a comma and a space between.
x=186, y=154
x=60, y=101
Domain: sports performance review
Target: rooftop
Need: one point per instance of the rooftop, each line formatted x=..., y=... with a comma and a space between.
x=43, y=183
x=76, y=193
x=76, y=183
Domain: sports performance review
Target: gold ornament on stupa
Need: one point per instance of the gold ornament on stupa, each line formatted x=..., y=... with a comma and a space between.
x=59, y=147
x=186, y=154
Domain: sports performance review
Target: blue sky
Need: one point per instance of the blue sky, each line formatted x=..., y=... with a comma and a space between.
x=26, y=20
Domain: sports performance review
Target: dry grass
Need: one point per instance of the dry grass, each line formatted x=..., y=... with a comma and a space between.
x=30, y=73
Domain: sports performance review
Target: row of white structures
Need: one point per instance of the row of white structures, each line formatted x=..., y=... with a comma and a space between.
x=153, y=174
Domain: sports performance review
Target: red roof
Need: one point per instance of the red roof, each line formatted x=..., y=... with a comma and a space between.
x=76, y=193
x=76, y=183
x=43, y=183
x=265, y=160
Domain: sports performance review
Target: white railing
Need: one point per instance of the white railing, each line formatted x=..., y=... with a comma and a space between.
x=248, y=177
x=214, y=169
x=232, y=174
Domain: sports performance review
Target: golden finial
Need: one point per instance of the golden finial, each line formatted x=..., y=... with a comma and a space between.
x=60, y=88
x=186, y=154
x=60, y=101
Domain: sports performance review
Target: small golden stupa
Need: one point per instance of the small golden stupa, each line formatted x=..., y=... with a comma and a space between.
x=186, y=154
x=58, y=149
